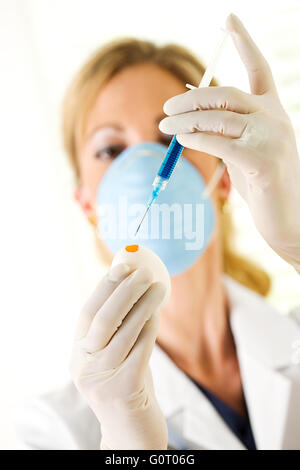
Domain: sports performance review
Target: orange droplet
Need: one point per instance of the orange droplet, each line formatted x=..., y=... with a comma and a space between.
x=132, y=248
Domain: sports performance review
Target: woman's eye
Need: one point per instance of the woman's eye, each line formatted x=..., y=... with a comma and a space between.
x=109, y=153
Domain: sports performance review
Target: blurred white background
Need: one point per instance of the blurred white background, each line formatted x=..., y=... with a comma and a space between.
x=48, y=260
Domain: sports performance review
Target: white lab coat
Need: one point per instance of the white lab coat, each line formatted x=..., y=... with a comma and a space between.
x=271, y=380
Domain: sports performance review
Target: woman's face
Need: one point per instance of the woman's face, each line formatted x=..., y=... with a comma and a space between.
x=127, y=111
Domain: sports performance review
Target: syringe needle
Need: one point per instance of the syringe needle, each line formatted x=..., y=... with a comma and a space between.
x=146, y=211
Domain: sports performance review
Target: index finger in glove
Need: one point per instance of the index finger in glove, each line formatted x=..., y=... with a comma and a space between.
x=225, y=123
x=140, y=354
x=102, y=292
x=110, y=316
x=120, y=345
x=229, y=98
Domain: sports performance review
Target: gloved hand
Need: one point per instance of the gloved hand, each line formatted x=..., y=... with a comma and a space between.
x=113, y=342
x=253, y=135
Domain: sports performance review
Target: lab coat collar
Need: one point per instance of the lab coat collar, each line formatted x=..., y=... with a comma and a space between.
x=201, y=425
x=263, y=339
x=181, y=400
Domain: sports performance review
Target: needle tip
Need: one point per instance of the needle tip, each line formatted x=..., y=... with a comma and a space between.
x=135, y=234
x=138, y=228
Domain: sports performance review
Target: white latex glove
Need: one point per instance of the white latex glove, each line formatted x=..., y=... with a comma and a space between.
x=114, y=339
x=254, y=137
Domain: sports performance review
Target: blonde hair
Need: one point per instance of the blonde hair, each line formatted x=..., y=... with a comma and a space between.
x=82, y=92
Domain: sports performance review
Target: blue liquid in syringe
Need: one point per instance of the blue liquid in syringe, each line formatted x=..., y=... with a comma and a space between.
x=164, y=173
x=166, y=168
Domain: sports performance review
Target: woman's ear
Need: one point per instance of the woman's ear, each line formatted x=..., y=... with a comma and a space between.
x=224, y=186
x=82, y=197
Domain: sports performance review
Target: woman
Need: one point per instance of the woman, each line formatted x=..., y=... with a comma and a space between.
x=221, y=372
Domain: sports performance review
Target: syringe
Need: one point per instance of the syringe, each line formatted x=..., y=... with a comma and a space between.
x=175, y=149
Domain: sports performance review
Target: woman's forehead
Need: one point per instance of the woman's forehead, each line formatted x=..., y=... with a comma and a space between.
x=148, y=77
x=139, y=85
x=137, y=92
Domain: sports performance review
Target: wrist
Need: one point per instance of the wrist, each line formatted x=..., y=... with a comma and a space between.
x=132, y=430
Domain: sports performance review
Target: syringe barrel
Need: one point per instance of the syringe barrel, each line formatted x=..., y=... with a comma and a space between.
x=165, y=169
x=173, y=153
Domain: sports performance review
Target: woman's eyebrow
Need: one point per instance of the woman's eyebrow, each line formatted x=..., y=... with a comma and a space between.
x=117, y=127
x=104, y=126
